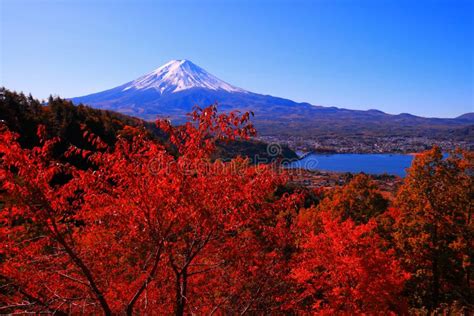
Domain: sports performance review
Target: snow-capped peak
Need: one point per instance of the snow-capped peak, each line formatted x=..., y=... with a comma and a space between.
x=178, y=75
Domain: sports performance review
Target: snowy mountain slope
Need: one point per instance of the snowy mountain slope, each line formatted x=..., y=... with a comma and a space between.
x=179, y=75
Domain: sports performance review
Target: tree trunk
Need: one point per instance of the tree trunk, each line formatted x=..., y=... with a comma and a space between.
x=181, y=287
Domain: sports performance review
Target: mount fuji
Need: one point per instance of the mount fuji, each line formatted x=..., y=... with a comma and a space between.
x=174, y=88
x=179, y=75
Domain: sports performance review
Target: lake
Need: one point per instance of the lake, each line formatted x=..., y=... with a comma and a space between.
x=394, y=164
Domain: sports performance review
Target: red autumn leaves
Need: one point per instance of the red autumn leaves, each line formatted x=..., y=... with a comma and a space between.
x=147, y=229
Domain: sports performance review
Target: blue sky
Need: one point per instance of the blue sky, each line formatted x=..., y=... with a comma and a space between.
x=396, y=56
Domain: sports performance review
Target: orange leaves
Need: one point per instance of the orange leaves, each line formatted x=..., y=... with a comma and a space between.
x=359, y=200
x=433, y=230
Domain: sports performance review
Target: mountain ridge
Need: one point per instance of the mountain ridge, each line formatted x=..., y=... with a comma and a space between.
x=174, y=88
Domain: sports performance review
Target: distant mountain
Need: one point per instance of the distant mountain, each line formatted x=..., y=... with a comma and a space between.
x=174, y=88
x=466, y=116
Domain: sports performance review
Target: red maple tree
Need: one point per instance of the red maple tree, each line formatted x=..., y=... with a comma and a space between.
x=144, y=229
x=345, y=268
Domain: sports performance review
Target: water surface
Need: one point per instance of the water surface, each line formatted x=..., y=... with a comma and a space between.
x=394, y=164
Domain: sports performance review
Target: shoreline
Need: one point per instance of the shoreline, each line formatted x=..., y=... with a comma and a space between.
x=305, y=154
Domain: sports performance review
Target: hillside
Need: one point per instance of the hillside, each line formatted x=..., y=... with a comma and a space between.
x=23, y=114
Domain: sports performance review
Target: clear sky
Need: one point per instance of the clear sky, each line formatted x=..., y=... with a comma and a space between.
x=396, y=56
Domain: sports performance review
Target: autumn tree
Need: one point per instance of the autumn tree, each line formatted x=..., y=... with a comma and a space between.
x=434, y=227
x=228, y=209
x=359, y=200
x=143, y=229
x=67, y=246
x=345, y=268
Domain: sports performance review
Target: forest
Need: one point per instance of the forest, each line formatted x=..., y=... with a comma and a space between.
x=100, y=214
